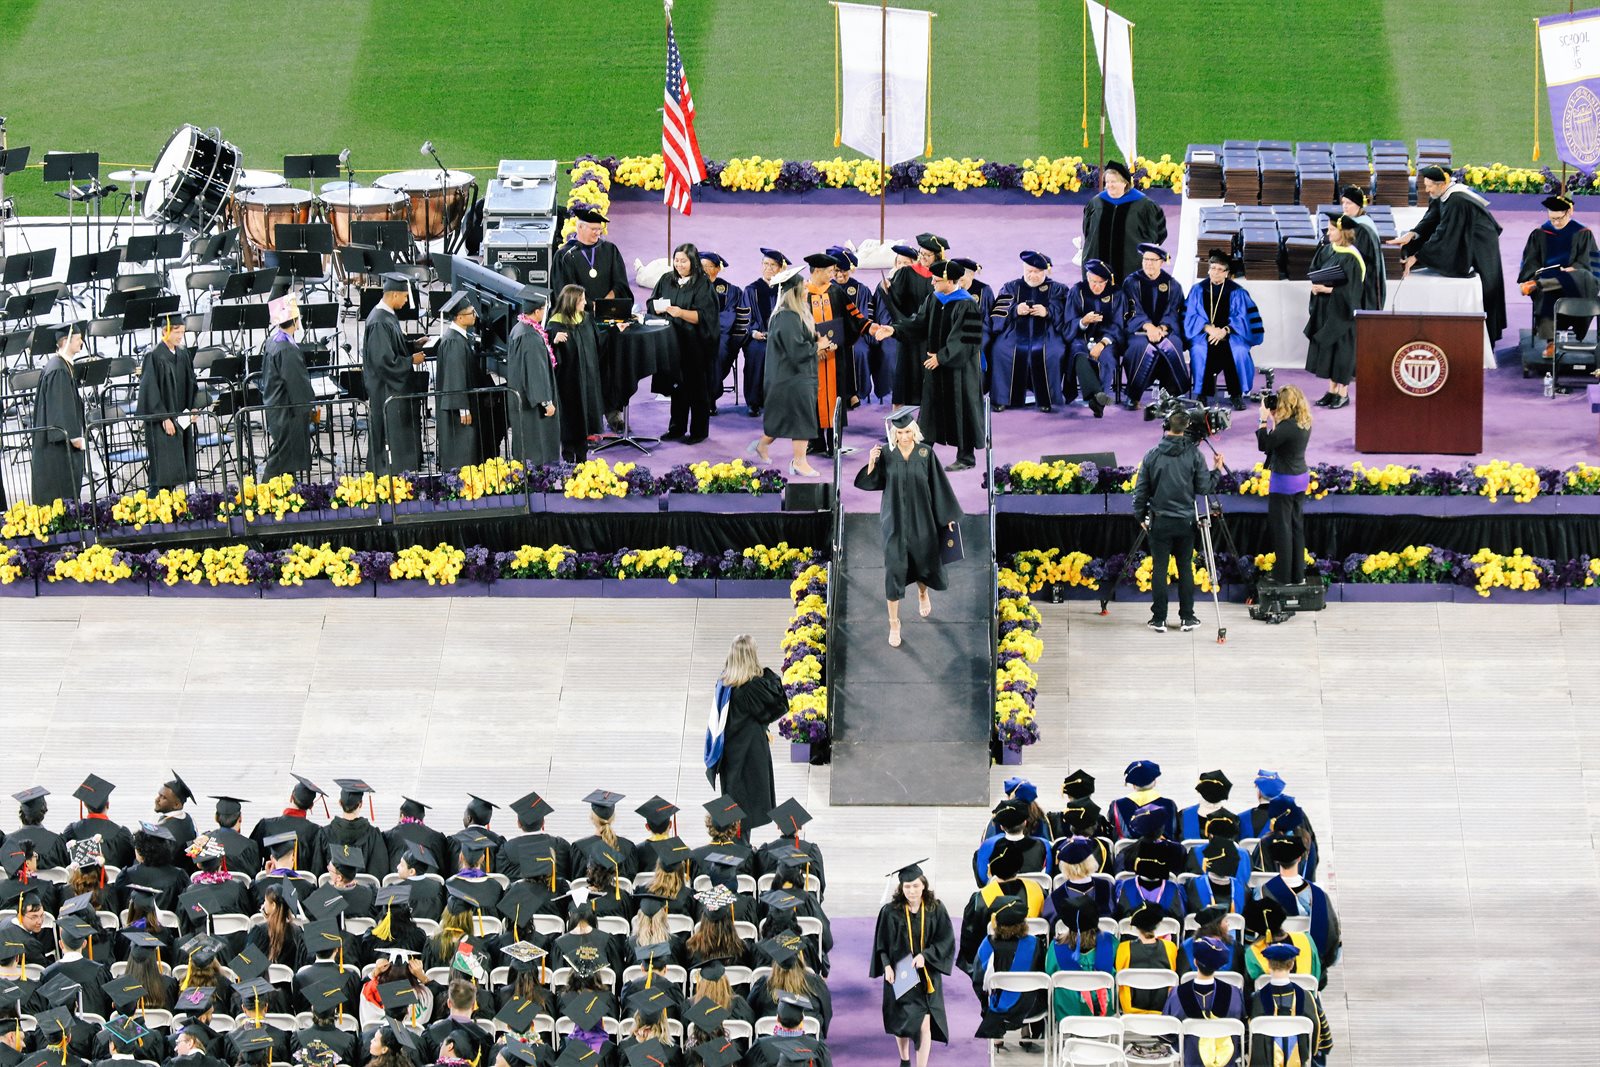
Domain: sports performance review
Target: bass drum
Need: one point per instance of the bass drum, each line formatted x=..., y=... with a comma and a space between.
x=192, y=180
x=439, y=200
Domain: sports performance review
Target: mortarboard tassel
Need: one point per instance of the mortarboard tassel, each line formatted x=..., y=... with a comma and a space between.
x=188, y=971
x=616, y=881
x=552, y=870
x=649, y=971
x=384, y=931
x=372, y=809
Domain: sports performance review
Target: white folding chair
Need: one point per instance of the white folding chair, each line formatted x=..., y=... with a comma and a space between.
x=230, y=922
x=670, y=972
x=1304, y=981
x=1038, y=927
x=1086, y=982
x=612, y=924
x=223, y=1023
x=439, y=975
x=499, y=976
x=1168, y=930
x=1165, y=1027
x=1297, y=924
x=739, y=1030
x=1038, y=878
x=548, y=925
x=1259, y=879
x=1146, y=978
x=58, y=875
x=1025, y=982
x=157, y=1019
x=427, y=926
x=282, y=1020
x=1194, y=1029
x=1281, y=1026
x=356, y=925
x=1233, y=978
x=746, y=931
x=680, y=924
x=768, y=1023
x=1110, y=926
x=1090, y=1040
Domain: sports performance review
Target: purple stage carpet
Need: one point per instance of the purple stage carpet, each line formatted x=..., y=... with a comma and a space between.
x=857, y=1037
x=1519, y=423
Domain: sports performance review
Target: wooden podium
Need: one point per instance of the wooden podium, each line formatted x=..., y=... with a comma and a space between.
x=1419, y=382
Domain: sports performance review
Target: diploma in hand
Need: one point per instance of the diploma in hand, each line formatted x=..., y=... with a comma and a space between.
x=905, y=976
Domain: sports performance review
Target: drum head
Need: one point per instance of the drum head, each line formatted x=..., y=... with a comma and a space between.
x=273, y=197
x=424, y=180
x=260, y=179
x=363, y=198
x=169, y=170
x=335, y=187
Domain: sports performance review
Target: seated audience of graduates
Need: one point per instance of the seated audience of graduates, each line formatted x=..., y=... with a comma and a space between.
x=339, y=943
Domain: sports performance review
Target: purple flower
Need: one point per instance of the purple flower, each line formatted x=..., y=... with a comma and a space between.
x=1002, y=175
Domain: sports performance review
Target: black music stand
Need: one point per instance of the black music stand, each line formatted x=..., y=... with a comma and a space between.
x=319, y=316
x=111, y=326
x=365, y=259
x=294, y=265
x=31, y=304
x=69, y=167
x=304, y=237
x=318, y=165
x=144, y=311
x=92, y=267
x=370, y=298
x=392, y=237
x=149, y=247
x=248, y=283
x=15, y=343
x=25, y=267
x=11, y=161
x=226, y=318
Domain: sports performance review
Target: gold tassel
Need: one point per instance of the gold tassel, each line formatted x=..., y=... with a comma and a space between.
x=552, y=870
x=928, y=148
x=384, y=931
x=1085, y=73
x=1536, y=122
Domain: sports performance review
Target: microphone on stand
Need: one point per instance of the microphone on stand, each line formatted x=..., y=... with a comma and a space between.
x=344, y=156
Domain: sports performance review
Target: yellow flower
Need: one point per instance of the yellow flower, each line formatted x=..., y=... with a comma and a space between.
x=96, y=563
x=38, y=521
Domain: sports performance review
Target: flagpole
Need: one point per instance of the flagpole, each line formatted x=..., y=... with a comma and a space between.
x=1105, y=58
x=883, y=119
x=667, y=10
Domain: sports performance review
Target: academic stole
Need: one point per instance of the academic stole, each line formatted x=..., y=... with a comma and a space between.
x=827, y=376
x=538, y=327
x=922, y=932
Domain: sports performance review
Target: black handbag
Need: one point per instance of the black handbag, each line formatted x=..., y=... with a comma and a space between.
x=951, y=550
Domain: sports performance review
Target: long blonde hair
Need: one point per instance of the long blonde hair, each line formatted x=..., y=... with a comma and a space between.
x=742, y=664
x=794, y=299
x=719, y=992
x=1292, y=405
x=651, y=929
x=603, y=829
x=669, y=881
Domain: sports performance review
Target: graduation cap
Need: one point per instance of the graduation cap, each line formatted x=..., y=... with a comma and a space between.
x=59, y=991
x=1211, y=954
x=413, y=809
x=718, y=1053
x=670, y=852
x=531, y=809
x=1008, y=910
x=657, y=811
x=523, y=955
x=1280, y=952
x=201, y=948
x=1270, y=784
x=932, y=242
x=601, y=854
x=1079, y=912
x=792, y=1008
x=1284, y=816
x=910, y=872
x=1263, y=915
x=351, y=790
x=126, y=1030
x=1075, y=850
x=156, y=830
x=86, y=852
x=1285, y=849
x=143, y=941
x=388, y=895
x=45, y=1057
x=394, y=995
x=251, y=962
x=31, y=800
x=970, y=266
x=724, y=812
x=16, y=990
x=254, y=990
x=1079, y=785
x=95, y=793
x=1011, y=815
x=457, y=304
x=75, y=928
x=521, y=901
x=821, y=261
x=1147, y=917
x=325, y=994
x=588, y=214
x=584, y=959
x=650, y=904
x=1219, y=256
x=650, y=1002
x=196, y=1000
x=531, y=298
x=1220, y=824
x=14, y=857
x=712, y=257
x=660, y=951
x=577, y=1054
x=229, y=808
x=54, y=1021
x=948, y=269
x=1213, y=787
x=516, y=1050
x=474, y=841
x=326, y=902
x=585, y=1009
x=716, y=900
x=1148, y=820
x=125, y=992
x=517, y=1014
x=651, y=1053
x=205, y=849
x=322, y=936
x=776, y=256
x=781, y=900
x=603, y=802
x=1152, y=867
x=347, y=856
x=789, y=278
x=247, y=1039
x=1220, y=857
x=789, y=817
x=1433, y=173
x=780, y=949
x=1006, y=859
x=1116, y=166
x=1097, y=269
x=396, y=283
x=456, y=891
x=419, y=855
x=305, y=790
x=179, y=787
x=1147, y=249
x=902, y=419
x=1141, y=774
x=706, y=1014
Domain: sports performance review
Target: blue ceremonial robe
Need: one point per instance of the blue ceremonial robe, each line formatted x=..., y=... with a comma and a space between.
x=1122, y=810
x=759, y=297
x=1199, y=893
x=867, y=352
x=1026, y=351
x=733, y=329
x=1086, y=369
x=1324, y=923
x=1191, y=827
x=1186, y=955
x=1158, y=302
x=1244, y=323
x=1103, y=892
x=980, y=858
x=1130, y=900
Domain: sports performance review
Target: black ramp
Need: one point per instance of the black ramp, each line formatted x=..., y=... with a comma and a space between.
x=912, y=723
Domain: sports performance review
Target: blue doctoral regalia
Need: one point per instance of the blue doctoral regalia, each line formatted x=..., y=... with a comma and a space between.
x=1324, y=926
x=1026, y=352
x=868, y=353
x=759, y=297
x=983, y=293
x=1080, y=302
x=1103, y=892
x=1122, y=810
x=1245, y=332
x=980, y=858
x=1159, y=302
x=1130, y=900
x=733, y=330
x=1200, y=893
x=1186, y=955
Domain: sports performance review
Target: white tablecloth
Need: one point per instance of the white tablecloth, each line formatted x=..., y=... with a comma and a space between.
x=1285, y=305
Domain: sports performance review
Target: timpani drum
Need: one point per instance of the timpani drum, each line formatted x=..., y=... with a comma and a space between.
x=343, y=206
x=260, y=211
x=438, y=200
x=192, y=180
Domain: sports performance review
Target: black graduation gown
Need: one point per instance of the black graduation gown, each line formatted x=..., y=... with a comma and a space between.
x=46, y=843
x=91, y=976
x=770, y=1051
x=1331, y=328
x=398, y=836
x=167, y=388
x=898, y=935
x=581, y=407
x=571, y=266
x=764, y=1002
x=908, y=291
x=530, y=371
x=917, y=504
x=1375, y=284
x=767, y=859
x=791, y=378
x=515, y=858
x=1113, y=230
x=460, y=370
x=697, y=346
x=311, y=856
x=58, y=468
x=1457, y=236
x=396, y=429
x=241, y=853
x=359, y=833
x=1579, y=254
x=1005, y=1011
x=286, y=389
x=342, y=1042
x=168, y=882
x=952, y=393
x=745, y=770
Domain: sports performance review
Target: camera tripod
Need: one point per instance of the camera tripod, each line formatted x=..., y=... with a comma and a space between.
x=1207, y=507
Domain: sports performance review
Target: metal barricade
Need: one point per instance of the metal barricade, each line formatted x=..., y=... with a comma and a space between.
x=337, y=436
x=119, y=443
x=16, y=464
x=490, y=406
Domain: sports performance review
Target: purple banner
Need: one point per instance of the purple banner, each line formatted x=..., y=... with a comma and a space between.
x=1570, y=48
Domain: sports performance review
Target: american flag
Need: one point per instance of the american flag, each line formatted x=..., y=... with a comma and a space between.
x=680, y=149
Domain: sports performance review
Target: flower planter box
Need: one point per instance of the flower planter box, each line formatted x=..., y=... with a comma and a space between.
x=407, y=511
x=1050, y=503
x=20, y=587
x=683, y=588
x=68, y=587
x=316, y=589
x=1576, y=505
x=1466, y=594
x=1589, y=596
x=404, y=588
x=486, y=507
x=1396, y=592
x=545, y=587
x=560, y=503
x=1009, y=757
x=724, y=503
x=68, y=537
x=816, y=753
x=1239, y=504
x=799, y=752
x=753, y=588
x=160, y=588
x=166, y=532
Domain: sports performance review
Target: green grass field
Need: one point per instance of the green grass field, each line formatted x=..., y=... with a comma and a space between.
x=542, y=78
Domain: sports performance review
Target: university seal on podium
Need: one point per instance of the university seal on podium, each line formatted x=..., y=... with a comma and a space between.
x=1419, y=368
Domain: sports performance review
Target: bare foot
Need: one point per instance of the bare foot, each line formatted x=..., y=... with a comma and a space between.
x=894, y=634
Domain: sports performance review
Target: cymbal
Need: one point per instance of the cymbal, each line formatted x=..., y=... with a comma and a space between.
x=136, y=177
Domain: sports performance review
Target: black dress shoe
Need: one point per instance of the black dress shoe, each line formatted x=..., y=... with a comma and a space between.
x=672, y=435
x=1324, y=400
x=1045, y=409
x=1238, y=403
x=695, y=439
x=998, y=407
x=958, y=465
x=754, y=413
x=1339, y=402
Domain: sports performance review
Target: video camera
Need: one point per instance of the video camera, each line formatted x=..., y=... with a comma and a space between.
x=1267, y=394
x=1204, y=421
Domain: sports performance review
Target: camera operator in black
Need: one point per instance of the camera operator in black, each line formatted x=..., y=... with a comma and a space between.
x=1282, y=432
x=1170, y=476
